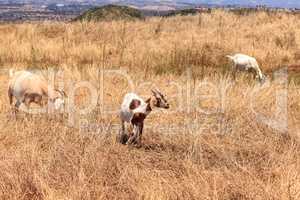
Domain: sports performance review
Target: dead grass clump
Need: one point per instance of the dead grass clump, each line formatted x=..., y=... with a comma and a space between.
x=288, y=40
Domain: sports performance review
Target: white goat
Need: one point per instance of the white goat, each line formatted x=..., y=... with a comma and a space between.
x=28, y=88
x=244, y=63
x=134, y=110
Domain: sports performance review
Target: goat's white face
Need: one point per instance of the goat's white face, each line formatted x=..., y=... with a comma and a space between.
x=59, y=101
x=261, y=79
x=59, y=104
x=161, y=102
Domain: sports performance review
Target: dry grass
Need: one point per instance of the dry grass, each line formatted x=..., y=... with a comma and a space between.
x=231, y=154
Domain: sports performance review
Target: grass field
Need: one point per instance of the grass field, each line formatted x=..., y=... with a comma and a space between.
x=220, y=139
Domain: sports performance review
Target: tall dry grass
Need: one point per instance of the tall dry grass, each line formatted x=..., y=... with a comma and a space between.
x=228, y=153
x=162, y=45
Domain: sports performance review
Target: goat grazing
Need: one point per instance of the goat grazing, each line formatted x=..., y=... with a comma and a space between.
x=28, y=88
x=134, y=110
x=244, y=63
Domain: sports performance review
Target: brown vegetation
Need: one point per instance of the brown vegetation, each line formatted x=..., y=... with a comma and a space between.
x=229, y=153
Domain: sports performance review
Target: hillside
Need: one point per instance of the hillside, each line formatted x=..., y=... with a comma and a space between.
x=110, y=12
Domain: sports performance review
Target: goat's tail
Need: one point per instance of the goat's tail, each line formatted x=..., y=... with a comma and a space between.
x=11, y=72
x=230, y=57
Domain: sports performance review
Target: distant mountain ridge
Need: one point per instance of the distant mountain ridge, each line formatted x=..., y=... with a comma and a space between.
x=269, y=3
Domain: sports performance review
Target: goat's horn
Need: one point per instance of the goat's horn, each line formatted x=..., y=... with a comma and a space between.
x=62, y=92
x=158, y=92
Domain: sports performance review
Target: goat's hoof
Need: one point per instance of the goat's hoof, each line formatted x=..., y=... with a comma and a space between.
x=122, y=138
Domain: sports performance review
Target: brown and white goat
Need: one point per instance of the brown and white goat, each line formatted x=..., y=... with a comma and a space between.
x=134, y=110
x=28, y=87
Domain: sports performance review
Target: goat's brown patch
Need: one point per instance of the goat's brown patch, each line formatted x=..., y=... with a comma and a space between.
x=138, y=118
x=134, y=104
x=33, y=98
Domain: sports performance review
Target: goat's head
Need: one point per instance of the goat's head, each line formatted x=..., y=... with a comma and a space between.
x=262, y=79
x=159, y=100
x=59, y=99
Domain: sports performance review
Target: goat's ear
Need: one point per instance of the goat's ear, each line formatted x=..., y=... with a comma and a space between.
x=158, y=92
x=62, y=93
x=148, y=100
x=154, y=92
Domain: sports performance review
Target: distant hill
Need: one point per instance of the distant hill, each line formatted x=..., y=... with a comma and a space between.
x=269, y=3
x=110, y=12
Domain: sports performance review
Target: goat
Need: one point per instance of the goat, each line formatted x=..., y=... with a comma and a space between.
x=244, y=62
x=134, y=110
x=28, y=88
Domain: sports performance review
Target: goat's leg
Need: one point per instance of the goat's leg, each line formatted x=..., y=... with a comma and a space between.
x=16, y=108
x=40, y=102
x=139, y=136
x=122, y=136
x=234, y=75
x=10, y=97
x=133, y=138
x=12, y=107
x=234, y=69
x=27, y=101
x=122, y=127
